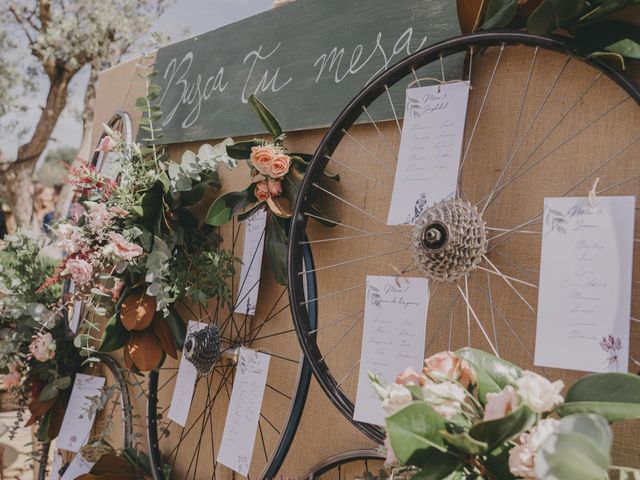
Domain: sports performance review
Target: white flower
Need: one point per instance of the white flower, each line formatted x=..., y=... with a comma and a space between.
x=522, y=457
x=43, y=347
x=538, y=393
x=446, y=398
x=397, y=397
x=501, y=404
x=99, y=216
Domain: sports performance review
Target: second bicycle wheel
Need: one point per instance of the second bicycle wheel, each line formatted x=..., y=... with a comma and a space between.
x=540, y=123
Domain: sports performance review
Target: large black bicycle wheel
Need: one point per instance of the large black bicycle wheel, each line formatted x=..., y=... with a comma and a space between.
x=540, y=123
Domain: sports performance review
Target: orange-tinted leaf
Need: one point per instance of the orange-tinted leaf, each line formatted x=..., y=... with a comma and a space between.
x=280, y=206
x=110, y=463
x=162, y=330
x=38, y=408
x=55, y=418
x=128, y=361
x=137, y=310
x=145, y=350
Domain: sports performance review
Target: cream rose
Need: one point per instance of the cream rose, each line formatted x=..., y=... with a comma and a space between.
x=522, y=457
x=279, y=166
x=446, y=398
x=446, y=365
x=261, y=158
x=121, y=248
x=538, y=393
x=397, y=397
x=43, y=347
x=501, y=404
x=81, y=271
x=410, y=377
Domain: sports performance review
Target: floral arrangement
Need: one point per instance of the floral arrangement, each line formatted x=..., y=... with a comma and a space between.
x=276, y=178
x=37, y=358
x=136, y=245
x=470, y=414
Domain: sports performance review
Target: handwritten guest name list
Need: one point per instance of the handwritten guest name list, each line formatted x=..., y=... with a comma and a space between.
x=251, y=263
x=77, y=421
x=393, y=337
x=185, y=383
x=78, y=466
x=584, y=301
x=239, y=435
x=430, y=147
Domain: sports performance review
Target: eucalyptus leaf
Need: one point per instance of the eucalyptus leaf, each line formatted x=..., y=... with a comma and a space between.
x=493, y=373
x=265, y=116
x=500, y=13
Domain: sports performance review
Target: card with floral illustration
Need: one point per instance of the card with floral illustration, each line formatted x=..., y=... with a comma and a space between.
x=430, y=149
x=584, y=299
x=393, y=337
x=78, y=416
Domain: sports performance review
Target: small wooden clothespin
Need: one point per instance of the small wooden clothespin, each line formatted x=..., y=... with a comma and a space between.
x=593, y=193
x=399, y=275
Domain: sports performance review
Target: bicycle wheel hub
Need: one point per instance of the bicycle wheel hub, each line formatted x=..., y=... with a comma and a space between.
x=202, y=348
x=449, y=240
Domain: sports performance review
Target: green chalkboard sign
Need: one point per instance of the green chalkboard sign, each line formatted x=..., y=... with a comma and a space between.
x=305, y=60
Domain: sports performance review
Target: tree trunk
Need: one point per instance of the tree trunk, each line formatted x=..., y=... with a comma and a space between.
x=66, y=194
x=18, y=176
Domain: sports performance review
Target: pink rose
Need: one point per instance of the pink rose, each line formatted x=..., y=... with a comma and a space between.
x=410, y=377
x=261, y=158
x=279, y=166
x=43, y=347
x=69, y=237
x=107, y=144
x=121, y=248
x=98, y=216
x=501, y=404
x=80, y=270
x=274, y=187
x=447, y=365
x=116, y=291
x=14, y=377
x=119, y=212
x=262, y=191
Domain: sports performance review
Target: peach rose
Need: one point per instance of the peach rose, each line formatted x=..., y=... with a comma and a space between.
x=14, y=377
x=43, y=347
x=80, y=270
x=262, y=191
x=121, y=248
x=448, y=365
x=279, y=166
x=501, y=404
x=261, y=158
x=274, y=186
x=410, y=377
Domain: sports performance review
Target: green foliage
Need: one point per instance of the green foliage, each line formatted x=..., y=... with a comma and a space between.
x=265, y=116
x=493, y=373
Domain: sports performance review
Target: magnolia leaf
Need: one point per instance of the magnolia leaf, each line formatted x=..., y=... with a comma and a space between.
x=553, y=14
x=276, y=248
x=242, y=150
x=606, y=8
x=280, y=206
x=145, y=350
x=616, y=37
x=137, y=310
x=115, y=336
x=500, y=13
x=56, y=416
x=464, y=442
x=437, y=465
x=497, y=463
x=162, y=330
x=177, y=327
x=496, y=432
x=265, y=116
x=595, y=427
x=413, y=431
x=228, y=205
x=48, y=393
x=615, y=396
x=247, y=213
x=493, y=373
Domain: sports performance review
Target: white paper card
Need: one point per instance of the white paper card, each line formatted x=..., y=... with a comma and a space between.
x=393, y=336
x=185, y=383
x=430, y=147
x=77, y=421
x=584, y=302
x=77, y=467
x=76, y=311
x=239, y=435
x=254, y=233
x=56, y=465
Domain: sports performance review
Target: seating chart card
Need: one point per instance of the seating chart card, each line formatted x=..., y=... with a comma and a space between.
x=56, y=465
x=76, y=311
x=185, y=383
x=254, y=233
x=78, y=466
x=77, y=421
x=584, y=300
x=393, y=337
x=239, y=435
x=430, y=148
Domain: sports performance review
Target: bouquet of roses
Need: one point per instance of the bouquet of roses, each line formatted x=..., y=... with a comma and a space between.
x=470, y=414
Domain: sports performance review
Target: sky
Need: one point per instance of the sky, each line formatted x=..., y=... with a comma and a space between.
x=195, y=16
